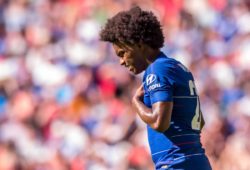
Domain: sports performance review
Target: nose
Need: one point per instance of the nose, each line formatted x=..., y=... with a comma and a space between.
x=122, y=62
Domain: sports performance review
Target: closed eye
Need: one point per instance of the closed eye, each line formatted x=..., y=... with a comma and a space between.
x=120, y=53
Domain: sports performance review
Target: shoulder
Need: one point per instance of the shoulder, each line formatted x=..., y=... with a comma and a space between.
x=163, y=64
x=160, y=68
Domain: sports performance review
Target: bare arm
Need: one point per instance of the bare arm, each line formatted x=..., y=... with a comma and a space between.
x=158, y=117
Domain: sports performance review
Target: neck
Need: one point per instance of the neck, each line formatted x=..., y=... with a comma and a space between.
x=152, y=55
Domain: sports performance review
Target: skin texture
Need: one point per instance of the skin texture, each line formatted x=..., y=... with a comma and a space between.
x=158, y=117
x=130, y=57
x=137, y=58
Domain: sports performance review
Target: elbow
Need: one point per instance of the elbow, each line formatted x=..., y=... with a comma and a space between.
x=161, y=127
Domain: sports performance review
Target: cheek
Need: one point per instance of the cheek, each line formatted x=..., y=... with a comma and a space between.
x=129, y=59
x=136, y=61
x=132, y=62
x=133, y=58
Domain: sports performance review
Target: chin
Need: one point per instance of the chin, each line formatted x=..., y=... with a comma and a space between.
x=136, y=71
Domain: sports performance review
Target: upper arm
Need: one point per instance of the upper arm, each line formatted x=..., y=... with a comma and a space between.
x=162, y=112
x=159, y=87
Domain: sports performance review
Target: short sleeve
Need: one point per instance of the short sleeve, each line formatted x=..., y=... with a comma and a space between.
x=158, y=83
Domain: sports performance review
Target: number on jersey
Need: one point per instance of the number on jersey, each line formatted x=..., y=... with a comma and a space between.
x=196, y=121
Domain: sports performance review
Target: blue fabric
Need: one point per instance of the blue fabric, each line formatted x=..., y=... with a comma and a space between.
x=168, y=80
x=199, y=162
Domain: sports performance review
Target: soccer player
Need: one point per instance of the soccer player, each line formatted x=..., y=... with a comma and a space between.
x=167, y=100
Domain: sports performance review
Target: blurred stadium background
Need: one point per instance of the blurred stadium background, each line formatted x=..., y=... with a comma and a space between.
x=65, y=101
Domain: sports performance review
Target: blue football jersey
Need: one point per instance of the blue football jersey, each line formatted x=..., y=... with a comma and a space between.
x=168, y=80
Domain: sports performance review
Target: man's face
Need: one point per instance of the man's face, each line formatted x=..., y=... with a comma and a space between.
x=131, y=57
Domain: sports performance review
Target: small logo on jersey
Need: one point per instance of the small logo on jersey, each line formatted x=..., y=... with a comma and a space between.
x=154, y=86
x=150, y=79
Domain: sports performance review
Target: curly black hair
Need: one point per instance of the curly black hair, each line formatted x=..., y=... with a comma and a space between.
x=132, y=27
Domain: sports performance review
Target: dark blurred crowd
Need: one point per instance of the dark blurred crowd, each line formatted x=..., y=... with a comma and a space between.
x=65, y=101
